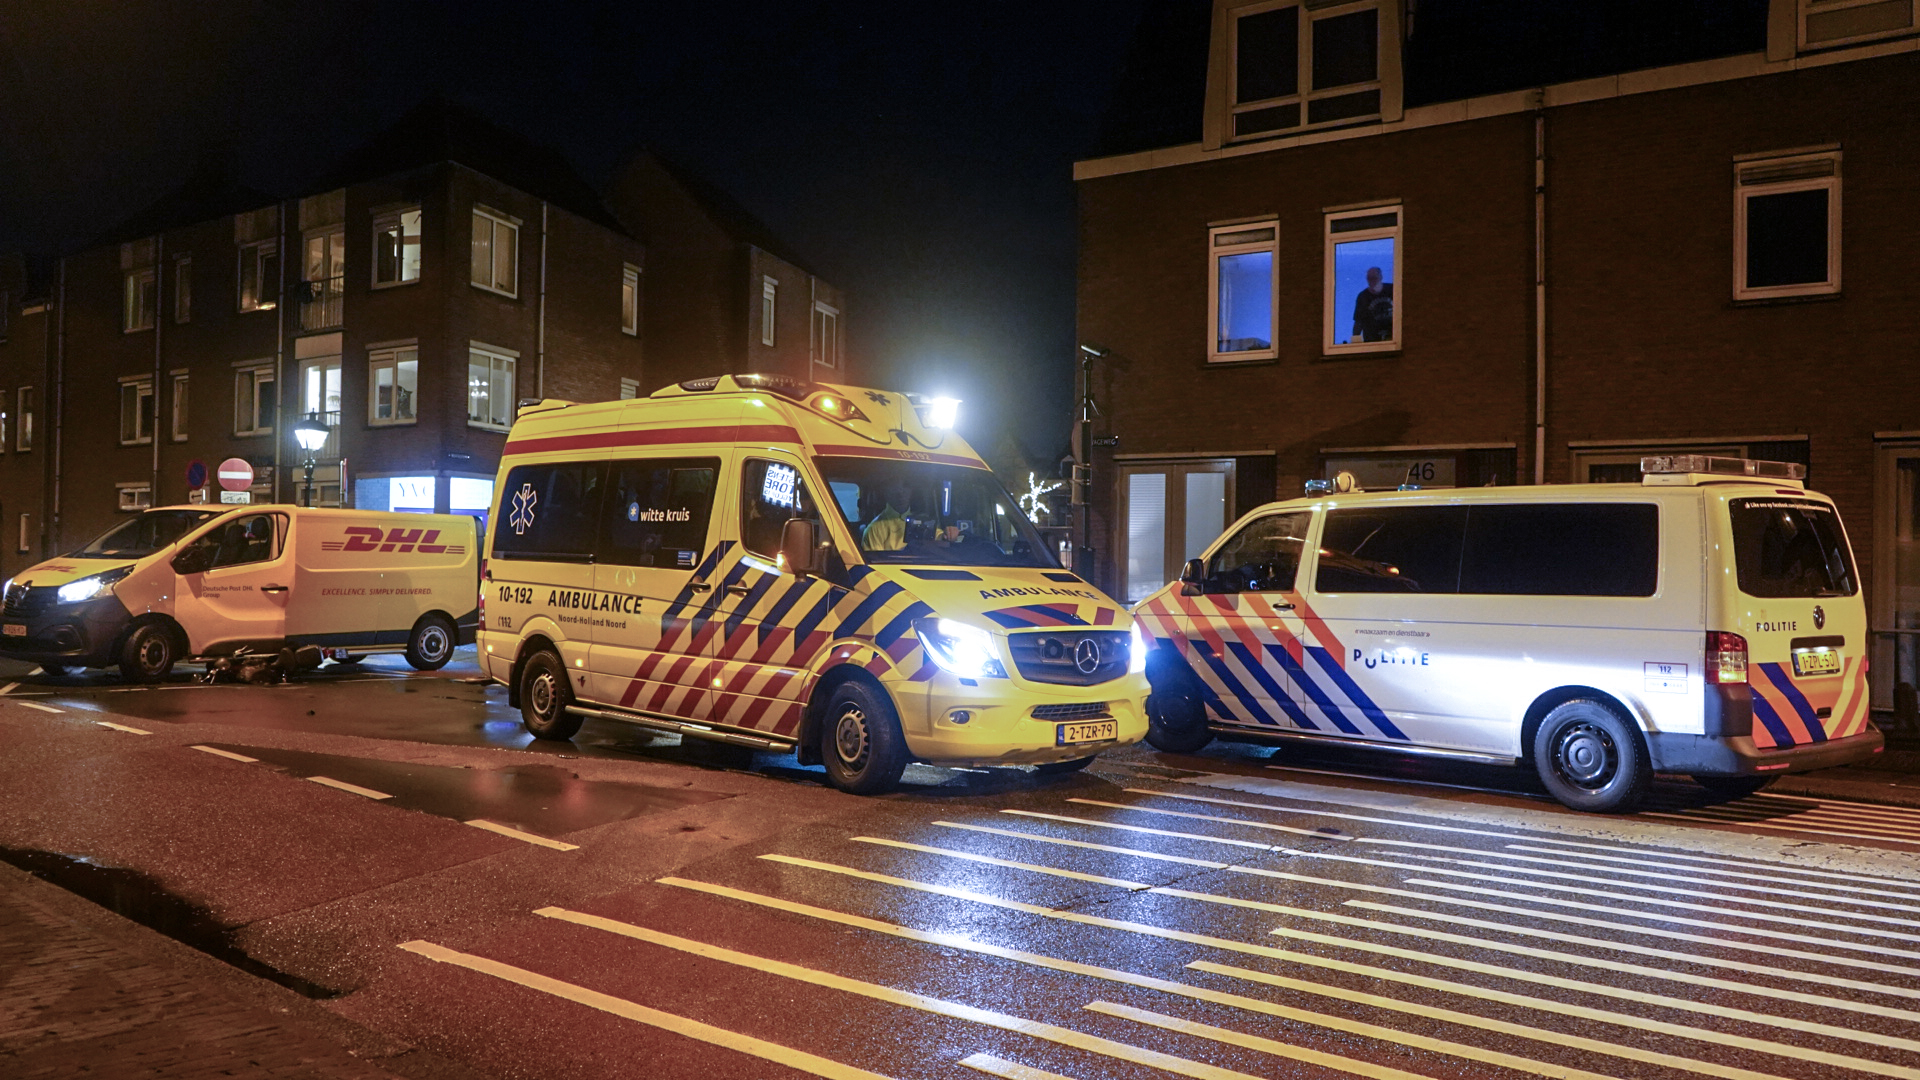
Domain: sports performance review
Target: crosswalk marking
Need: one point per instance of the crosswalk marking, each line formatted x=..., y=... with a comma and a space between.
x=1317, y=834
x=1008, y=863
x=1208, y=863
x=1144, y=829
x=1781, y=868
x=1273, y=808
x=679, y=1025
x=1851, y=887
x=1709, y=819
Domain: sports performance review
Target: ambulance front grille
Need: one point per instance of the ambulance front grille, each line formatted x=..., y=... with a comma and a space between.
x=1091, y=710
x=1071, y=657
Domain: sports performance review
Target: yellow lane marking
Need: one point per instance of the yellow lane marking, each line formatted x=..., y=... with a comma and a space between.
x=1011, y=1070
x=342, y=785
x=121, y=727
x=1317, y=834
x=679, y=1025
x=228, y=754
x=526, y=836
x=1197, y=993
x=1121, y=883
x=34, y=705
x=937, y=1006
x=1647, y=855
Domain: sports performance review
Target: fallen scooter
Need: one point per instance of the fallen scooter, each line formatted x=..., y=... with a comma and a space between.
x=262, y=669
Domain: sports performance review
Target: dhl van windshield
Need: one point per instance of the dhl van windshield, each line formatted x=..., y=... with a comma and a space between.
x=919, y=512
x=1785, y=548
x=144, y=535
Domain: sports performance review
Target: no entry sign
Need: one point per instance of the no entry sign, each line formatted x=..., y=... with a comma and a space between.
x=236, y=474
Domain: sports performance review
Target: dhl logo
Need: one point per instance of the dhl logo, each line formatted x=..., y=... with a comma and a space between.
x=405, y=541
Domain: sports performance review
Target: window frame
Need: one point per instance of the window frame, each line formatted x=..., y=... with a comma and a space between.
x=27, y=402
x=260, y=251
x=1304, y=93
x=493, y=353
x=630, y=300
x=1805, y=8
x=629, y=389
x=128, y=496
x=252, y=372
x=177, y=414
x=1215, y=251
x=392, y=357
x=142, y=387
x=497, y=221
x=1744, y=190
x=769, y=309
x=142, y=282
x=823, y=335
x=182, y=289
x=1328, y=314
x=396, y=217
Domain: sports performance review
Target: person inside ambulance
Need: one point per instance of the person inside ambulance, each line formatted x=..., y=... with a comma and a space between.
x=924, y=513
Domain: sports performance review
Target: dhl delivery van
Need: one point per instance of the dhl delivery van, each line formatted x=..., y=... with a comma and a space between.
x=1706, y=621
x=788, y=565
x=198, y=582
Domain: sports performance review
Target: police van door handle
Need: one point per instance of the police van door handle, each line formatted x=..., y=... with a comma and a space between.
x=1283, y=607
x=273, y=588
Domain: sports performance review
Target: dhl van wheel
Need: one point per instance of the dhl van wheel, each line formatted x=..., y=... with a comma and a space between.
x=544, y=697
x=149, y=653
x=861, y=742
x=1734, y=787
x=430, y=645
x=1592, y=758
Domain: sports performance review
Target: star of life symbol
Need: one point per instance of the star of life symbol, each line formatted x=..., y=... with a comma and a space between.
x=521, y=517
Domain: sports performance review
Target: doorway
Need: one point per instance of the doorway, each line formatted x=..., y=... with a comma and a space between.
x=1168, y=513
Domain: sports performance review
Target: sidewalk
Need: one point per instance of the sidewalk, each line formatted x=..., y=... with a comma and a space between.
x=1892, y=778
x=86, y=993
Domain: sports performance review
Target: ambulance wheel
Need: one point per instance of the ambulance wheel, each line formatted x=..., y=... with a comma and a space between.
x=1061, y=768
x=1733, y=787
x=430, y=645
x=544, y=697
x=1591, y=759
x=1177, y=722
x=860, y=741
x=148, y=654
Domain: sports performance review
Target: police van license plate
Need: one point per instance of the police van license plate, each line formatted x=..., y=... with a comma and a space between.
x=14, y=629
x=1092, y=731
x=1816, y=662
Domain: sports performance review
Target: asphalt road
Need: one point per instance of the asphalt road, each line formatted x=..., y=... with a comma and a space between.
x=623, y=906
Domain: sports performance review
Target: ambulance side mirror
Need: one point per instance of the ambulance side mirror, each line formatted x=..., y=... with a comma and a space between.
x=1193, y=578
x=194, y=560
x=800, y=546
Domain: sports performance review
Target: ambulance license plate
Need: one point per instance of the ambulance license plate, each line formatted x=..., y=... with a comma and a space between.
x=1093, y=731
x=14, y=629
x=1815, y=662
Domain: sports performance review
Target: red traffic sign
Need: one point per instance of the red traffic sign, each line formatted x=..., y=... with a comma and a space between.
x=196, y=474
x=236, y=474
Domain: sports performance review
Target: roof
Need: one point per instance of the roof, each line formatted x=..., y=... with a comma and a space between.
x=725, y=211
x=207, y=196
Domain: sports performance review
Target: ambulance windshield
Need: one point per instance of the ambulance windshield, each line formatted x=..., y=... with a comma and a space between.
x=144, y=535
x=919, y=512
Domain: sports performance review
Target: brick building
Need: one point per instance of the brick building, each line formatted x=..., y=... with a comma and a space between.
x=1607, y=259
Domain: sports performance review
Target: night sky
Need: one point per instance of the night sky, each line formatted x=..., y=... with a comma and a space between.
x=919, y=155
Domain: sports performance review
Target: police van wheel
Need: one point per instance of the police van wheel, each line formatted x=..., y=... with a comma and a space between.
x=1733, y=787
x=1591, y=759
x=430, y=645
x=148, y=654
x=860, y=741
x=544, y=697
x=1177, y=722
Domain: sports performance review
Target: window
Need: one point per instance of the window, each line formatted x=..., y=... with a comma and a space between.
x=826, y=335
x=253, y=401
x=1323, y=59
x=1402, y=549
x=769, y=306
x=1242, y=290
x=26, y=533
x=183, y=289
x=260, y=276
x=1172, y=512
x=771, y=494
x=394, y=378
x=249, y=538
x=135, y=497
x=549, y=512
x=396, y=247
x=323, y=279
x=490, y=389
x=629, y=389
x=137, y=311
x=1362, y=300
x=1264, y=556
x=1786, y=226
x=929, y=513
x=630, y=299
x=136, y=411
x=657, y=512
x=1827, y=23
x=1562, y=549
x=1789, y=548
x=23, y=424
x=496, y=252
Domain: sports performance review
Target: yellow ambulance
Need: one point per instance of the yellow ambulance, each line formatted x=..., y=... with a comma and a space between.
x=209, y=582
x=1706, y=621
x=785, y=565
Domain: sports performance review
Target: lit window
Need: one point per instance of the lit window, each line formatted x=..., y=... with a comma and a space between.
x=23, y=425
x=1289, y=58
x=394, y=377
x=496, y=252
x=182, y=289
x=396, y=247
x=179, y=407
x=136, y=411
x=769, y=295
x=253, y=400
x=1242, y=290
x=137, y=311
x=490, y=389
x=630, y=299
x=826, y=335
x=1362, y=298
x=260, y=276
x=1786, y=226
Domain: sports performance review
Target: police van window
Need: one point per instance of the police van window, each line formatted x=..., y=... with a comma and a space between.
x=1790, y=548
x=1562, y=549
x=657, y=512
x=250, y=538
x=771, y=493
x=549, y=511
x=1413, y=549
x=1262, y=557
x=932, y=514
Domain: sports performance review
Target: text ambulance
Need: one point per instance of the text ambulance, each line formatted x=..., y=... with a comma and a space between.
x=1706, y=621
x=182, y=582
x=787, y=565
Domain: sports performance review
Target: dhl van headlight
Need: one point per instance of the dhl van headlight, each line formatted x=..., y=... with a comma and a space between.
x=966, y=651
x=1137, y=651
x=91, y=588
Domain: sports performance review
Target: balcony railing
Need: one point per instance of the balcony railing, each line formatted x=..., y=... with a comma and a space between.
x=320, y=303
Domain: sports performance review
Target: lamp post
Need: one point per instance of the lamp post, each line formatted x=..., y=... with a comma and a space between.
x=1083, y=460
x=311, y=433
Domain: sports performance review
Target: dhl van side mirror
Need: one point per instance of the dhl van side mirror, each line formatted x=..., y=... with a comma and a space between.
x=1192, y=578
x=800, y=547
x=194, y=560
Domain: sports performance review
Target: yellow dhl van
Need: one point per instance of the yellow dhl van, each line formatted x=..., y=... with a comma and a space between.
x=787, y=565
x=185, y=582
x=1706, y=621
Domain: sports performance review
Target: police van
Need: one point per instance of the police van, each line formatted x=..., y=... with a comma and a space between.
x=211, y=583
x=784, y=565
x=1706, y=621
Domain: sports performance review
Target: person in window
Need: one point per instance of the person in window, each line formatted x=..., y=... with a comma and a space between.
x=1373, y=309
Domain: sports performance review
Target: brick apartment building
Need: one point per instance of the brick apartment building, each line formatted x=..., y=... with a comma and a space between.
x=1607, y=258
x=409, y=300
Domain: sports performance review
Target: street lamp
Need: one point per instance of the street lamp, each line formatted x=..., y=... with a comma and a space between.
x=1083, y=465
x=311, y=434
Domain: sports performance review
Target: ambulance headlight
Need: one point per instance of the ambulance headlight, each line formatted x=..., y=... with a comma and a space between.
x=966, y=651
x=91, y=588
x=1137, y=650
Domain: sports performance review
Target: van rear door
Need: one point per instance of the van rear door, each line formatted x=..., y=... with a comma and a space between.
x=240, y=600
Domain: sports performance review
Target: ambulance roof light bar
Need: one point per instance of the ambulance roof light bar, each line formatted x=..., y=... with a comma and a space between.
x=1670, y=464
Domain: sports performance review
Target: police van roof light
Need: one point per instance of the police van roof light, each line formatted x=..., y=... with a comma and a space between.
x=1664, y=464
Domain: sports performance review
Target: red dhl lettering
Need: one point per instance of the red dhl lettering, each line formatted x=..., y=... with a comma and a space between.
x=368, y=538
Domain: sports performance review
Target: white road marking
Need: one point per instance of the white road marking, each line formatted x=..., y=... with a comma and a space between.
x=1400, y=780
x=1317, y=834
x=8, y=689
x=1851, y=895
x=1772, y=797
x=937, y=1006
x=123, y=727
x=1649, y=853
x=1698, y=819
x=1274, y=809
x=516, y=834
x=228, y=754
x=42, y=708
x=1154, y=855
x=37, y=670
x=679, y=1025
x=1144, y=829
x=342, y=785
x=990, y=860
x=1011, y=1070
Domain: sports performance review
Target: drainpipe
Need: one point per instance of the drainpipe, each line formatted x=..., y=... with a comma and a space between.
x=540, y=340
x=281, y=256
x=1539, y=287
x=159, y=290
x=57, y=394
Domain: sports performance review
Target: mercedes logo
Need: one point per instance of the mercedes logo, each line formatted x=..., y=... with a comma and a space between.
x=1086, y=656
x=1819, y=617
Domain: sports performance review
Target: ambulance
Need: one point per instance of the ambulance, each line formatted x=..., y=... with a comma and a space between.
x=785, y=565
x=1706, y=621
x=210, y=583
